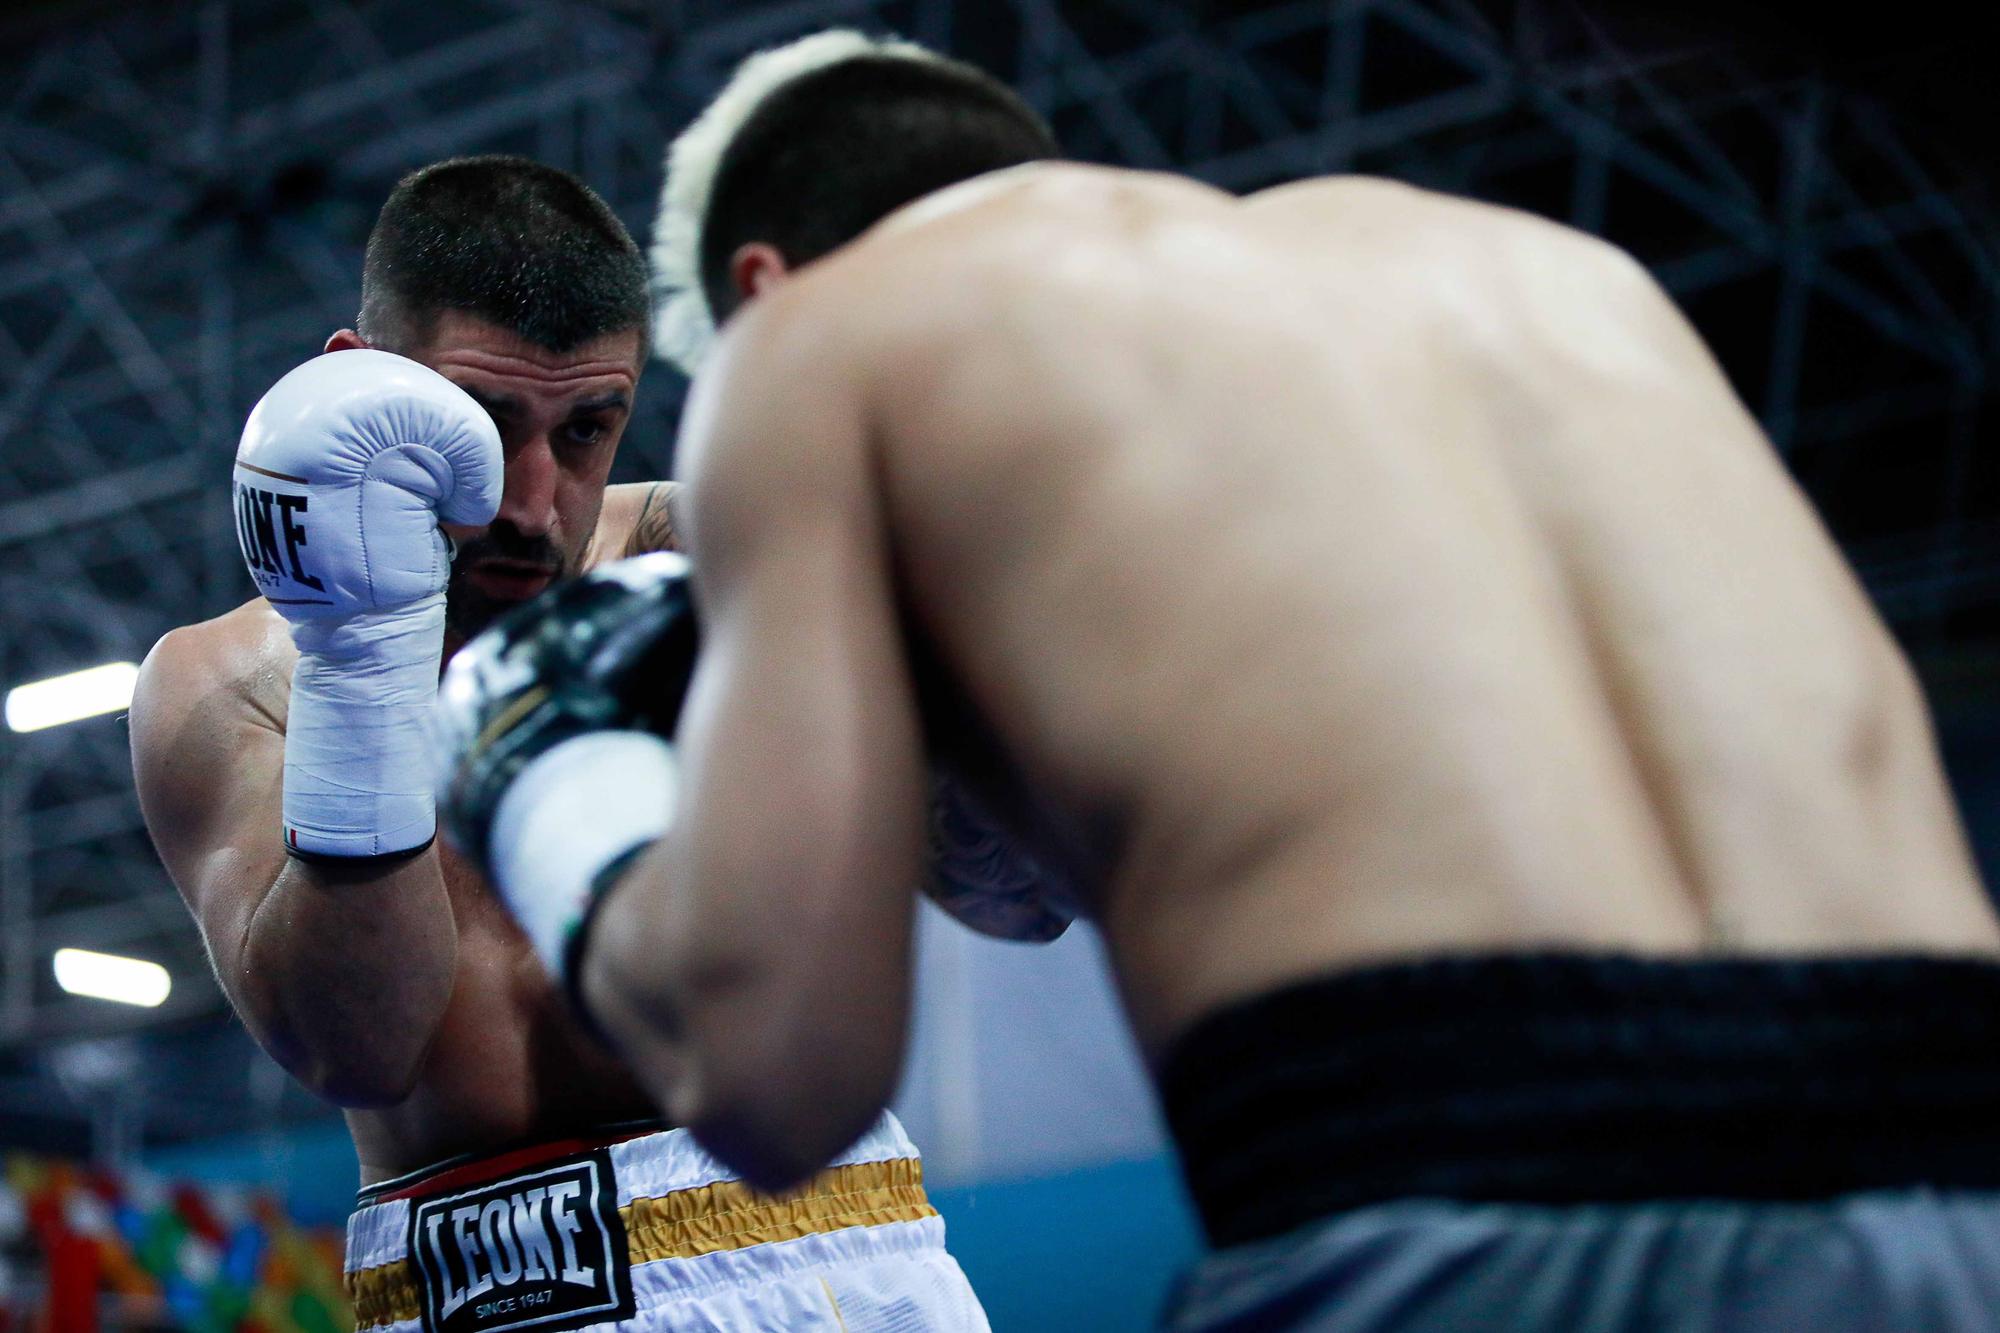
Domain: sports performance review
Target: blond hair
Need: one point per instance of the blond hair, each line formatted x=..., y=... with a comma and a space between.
x=683, y=323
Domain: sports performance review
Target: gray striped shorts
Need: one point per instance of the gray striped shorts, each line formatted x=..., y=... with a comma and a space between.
x=1908, y=1261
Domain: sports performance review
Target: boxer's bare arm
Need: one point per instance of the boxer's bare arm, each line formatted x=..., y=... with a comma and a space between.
x=342, y=975
x=753, y=969
x=653, y=527
x=637, y=519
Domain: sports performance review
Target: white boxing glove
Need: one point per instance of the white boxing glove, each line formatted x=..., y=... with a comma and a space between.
x=345, y=469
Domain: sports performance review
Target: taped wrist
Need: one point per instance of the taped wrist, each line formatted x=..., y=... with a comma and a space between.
x=357, y=747
x=571, y=819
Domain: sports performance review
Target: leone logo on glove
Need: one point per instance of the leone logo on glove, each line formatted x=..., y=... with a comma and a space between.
x=544, y=1249
x=270, y=527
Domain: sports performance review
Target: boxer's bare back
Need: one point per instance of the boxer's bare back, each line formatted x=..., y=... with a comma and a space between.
x=486, y=1056
x=1349, y=572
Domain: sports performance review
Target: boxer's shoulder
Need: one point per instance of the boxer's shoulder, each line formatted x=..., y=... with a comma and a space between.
x=872, y=312
x=637, y=519
x=1073, y=194
x=801, y=350
x=1503, y=286
x=239, y=662
x=1356, y=219
x=208, y=711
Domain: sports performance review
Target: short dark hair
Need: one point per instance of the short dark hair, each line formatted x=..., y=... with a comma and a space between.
x=519, y=244
x=833, y=152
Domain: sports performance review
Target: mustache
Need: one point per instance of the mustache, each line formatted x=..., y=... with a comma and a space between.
x=500, y=543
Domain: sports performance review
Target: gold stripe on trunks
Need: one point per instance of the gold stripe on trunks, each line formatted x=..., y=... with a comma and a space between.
x=383, y=1294
x=727, y=1215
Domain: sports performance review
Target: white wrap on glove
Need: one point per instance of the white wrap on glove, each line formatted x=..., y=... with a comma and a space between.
x=345, y=469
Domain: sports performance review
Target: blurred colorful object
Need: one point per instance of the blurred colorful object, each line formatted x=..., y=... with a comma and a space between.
x=130, y=1251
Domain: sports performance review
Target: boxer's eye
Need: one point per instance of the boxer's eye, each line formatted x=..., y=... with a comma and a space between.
x=583, y=432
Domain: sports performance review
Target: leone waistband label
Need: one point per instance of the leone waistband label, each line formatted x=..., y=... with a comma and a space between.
x=542, y=1250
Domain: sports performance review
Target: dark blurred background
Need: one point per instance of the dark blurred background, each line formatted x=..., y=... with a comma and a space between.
x=184, y=193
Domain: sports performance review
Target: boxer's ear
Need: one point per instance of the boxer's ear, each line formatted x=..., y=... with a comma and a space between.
x=345, y=340
x=755, y=268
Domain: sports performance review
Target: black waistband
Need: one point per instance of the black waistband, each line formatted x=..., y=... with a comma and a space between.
x=497, y=1160
x=1563, y=1078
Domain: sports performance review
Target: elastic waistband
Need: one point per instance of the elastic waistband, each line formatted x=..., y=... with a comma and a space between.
x=472, y=1168
x=657, y=1197
x=1561, y=1078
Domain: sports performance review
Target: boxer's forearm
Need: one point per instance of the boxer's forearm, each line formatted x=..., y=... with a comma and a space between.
x=652, y=1006
x=635, y=1014
x=344, y=974
x=720, y=1037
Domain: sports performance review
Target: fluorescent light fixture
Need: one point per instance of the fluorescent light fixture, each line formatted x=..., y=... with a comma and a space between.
x=106, y=976
x=80, y=694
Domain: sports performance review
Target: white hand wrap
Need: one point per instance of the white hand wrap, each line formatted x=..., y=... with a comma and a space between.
x=345, y=468
x=357, y=749
x=568, y=815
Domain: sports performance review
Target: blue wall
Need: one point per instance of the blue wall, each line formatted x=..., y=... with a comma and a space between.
x=312, y=1168
x=1095, y=1249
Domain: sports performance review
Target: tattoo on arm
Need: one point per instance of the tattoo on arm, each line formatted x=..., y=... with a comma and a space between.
x=654, y=529
x=979, y=874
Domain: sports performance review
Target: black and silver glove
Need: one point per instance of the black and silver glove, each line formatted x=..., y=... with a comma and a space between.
x=553, y=735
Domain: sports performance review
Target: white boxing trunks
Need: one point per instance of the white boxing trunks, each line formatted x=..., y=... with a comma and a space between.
x=649, y=1232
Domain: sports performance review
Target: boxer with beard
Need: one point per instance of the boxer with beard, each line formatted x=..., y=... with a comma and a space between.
x=443, y=463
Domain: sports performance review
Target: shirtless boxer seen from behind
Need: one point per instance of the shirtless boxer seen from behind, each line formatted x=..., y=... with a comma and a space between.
x=515, y=1174
x=1522, y=850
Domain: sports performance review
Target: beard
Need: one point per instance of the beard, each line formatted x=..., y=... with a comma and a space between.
x=470, y=609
